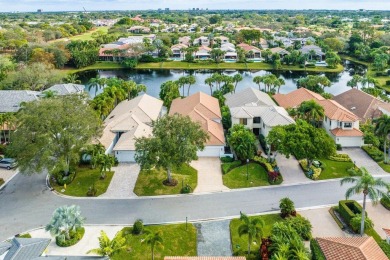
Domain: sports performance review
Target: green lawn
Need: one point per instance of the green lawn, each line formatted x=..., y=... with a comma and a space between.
x=237, y=178
x=334, y=169
x=240, y=244
x=384, y=166
x=87, y=35
x=177, y=241
x=85, y=178
x=150, y=182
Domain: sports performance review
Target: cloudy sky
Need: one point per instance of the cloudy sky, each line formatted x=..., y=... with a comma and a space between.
x=77, y=5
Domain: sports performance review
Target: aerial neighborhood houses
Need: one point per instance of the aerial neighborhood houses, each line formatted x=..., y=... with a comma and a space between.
x=340, y=123
x=256, y=110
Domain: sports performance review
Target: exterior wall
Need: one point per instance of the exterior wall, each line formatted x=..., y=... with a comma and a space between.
x=353, y=141
x=264, y=129
x=125, y=156
x=211, y=151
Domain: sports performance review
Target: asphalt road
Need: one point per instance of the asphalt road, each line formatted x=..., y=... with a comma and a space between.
x=26, y=203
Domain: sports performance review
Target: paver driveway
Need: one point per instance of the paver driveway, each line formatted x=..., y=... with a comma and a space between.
x=291, y=171
x=123, y=182
x=209, y=175
x=362, y=159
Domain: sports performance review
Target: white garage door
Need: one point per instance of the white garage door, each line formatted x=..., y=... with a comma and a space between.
x=211, y=151
x=125, y=156
x=349, y=141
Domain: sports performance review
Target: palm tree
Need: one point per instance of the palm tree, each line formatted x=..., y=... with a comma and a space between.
x=382, y=128
x=258, y=80
x=49, y=93
x=64, y=220
x=279, y=82
x=153, y=239
x=105, y=162
x=367, y=185
x=250, y=227
x=311, y=112
x=210, y=82
x=108, y=247
x=237, y=78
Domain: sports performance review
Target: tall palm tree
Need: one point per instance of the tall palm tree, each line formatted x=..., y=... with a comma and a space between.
x=367, y=185
x=109, y=247
x=95, y=83
x=105, y=162
x=250, y=227
x=210, y=83
x=258, y=80
x=237, y=78
x=311, y=112
x=382, y=128
x=153, y=239
x=279, y=82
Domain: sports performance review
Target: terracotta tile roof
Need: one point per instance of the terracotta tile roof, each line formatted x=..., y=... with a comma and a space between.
x=204, y=109
x=205, y=258
x=364, y=105
x=279, y=50
x=296, y=97
x=342, y=132
x=351, y=248
x=179, y=46
x=335, y=111
x=387, y=231
x=247, y=47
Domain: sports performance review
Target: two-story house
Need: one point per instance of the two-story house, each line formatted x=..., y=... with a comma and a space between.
x=256, y=110
x=340, y=123
x=202, y=41
x=178, y=51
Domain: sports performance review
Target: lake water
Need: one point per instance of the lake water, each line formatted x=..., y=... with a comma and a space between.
x=154, y=78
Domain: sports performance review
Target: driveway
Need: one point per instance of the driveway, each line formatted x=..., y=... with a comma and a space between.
x=209, y=175
x=291, y=171
x=6, y=174
x=380, y=216
x=362, y=159
x=213, y=238
x=123, y=182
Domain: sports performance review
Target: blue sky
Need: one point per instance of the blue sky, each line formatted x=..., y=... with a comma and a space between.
x=77, y=5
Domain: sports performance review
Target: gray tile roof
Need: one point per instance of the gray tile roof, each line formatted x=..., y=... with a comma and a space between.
x=10, y=100
x=66, y=89
x=4, y=246
x=270, y=115
x=249, y=96
x=26, y=248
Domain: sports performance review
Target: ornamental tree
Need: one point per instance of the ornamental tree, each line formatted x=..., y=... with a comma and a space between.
x=242, y=141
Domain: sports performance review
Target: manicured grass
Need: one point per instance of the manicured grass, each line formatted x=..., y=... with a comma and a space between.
x=237, y=178
x=240, y=244
x=177, y=241
x=87, y=35
x=100, y=65
x=334, y=169
x=85, y=178
x=384, y=166
x=150, y=182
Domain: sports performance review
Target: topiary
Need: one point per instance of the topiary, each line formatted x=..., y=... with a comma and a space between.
x=138, y=227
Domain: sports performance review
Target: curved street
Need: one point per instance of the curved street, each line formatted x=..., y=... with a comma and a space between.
x=27, y=203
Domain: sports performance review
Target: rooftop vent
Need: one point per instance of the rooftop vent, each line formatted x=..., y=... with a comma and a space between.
x=353, y=108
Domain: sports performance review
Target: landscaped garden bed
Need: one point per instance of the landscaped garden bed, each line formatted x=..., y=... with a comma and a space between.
x=150, y=182
x=377, y=156
x=177, y=240
x=84, y=180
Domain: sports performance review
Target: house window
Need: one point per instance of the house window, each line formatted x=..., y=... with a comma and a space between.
x=243, y=121
x=347, y=125
x=256, y=120
x=341, y=124
x=263, y=125
x=326, y=119
x=330, y=122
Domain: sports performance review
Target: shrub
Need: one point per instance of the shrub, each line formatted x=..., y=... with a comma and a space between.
x=75, y=236
x=186, y=189
x=339, y=147
x=356, y=222
x=340, y=158
x=2, y=181
x=2, y=148
x=227, y=159
x=25, y=235
x=312, y=173
x=263, y=143
x=227, y=167
x=349, y=209
x=138, y=227
x=310, y=65
x=354, y=171
x=287, y=208
x=63, y=179
x=385, y=247
x=316, y=252
x=302, y=226
x=385, y=203
x=373, y=152
x=388, y=82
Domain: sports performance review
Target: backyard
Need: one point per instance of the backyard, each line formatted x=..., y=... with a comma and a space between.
x=84, y=179
x=150, y=182
x=237, y=177
x=177, y=240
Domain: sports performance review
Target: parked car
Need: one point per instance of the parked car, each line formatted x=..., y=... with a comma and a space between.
x=7, y=163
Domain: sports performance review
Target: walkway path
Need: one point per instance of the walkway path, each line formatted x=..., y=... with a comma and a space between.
x=362, y=159
x=291, y=171
x=123, y=181
x=213, y=238
x=209, y=175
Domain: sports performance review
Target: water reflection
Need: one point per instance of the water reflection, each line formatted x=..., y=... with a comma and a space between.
x=154, y=78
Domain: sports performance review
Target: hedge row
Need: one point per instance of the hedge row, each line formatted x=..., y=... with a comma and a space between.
x=74, y=238
x=263, y=161
x=227, y=167
x=373, y=152
x=385, y=247
x=316, y=252
x=349, y=209
x=340, y=158
x=385, y=203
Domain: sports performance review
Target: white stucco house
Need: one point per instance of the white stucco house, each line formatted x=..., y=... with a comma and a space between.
x=130, y=119
x=205, y=110
x=256, y=110
x=340, y=123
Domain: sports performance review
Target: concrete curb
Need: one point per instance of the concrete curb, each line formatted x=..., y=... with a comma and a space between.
x=5, y=183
